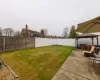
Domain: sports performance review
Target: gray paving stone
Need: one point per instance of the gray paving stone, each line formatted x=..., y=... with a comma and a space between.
x=76, y=67
x=63, y=75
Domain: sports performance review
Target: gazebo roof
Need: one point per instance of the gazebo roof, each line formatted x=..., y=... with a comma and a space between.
x=87, y=36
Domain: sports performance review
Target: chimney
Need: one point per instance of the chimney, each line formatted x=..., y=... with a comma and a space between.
x=26, y=31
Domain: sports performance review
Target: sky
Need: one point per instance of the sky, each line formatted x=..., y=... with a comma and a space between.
x=53, y=15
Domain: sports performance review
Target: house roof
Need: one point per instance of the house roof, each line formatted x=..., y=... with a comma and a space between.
x=35, y=32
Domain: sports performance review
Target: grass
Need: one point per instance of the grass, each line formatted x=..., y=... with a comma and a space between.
x=37, y=64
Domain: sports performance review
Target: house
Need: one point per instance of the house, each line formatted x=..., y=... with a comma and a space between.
x=31, y=33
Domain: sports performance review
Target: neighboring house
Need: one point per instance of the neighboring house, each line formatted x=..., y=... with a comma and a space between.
x=31, y=33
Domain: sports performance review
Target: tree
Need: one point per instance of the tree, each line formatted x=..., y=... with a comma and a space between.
x=8, y=32
x=23, y=32
x=45, y=32
x=17, y=33
x=1, y=30
x=72, y=33
x=42, y=31
x=65, y=32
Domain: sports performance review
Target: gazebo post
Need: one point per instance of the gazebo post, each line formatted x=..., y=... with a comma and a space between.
x=92, y=40
x=77, y=42
x=97, y=40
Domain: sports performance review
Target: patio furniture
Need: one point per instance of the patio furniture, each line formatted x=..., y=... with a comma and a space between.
x=95, y=59
x=88, y=47
x=79, y=46
x=83, y=46
x=97, y=64
x=89, y=53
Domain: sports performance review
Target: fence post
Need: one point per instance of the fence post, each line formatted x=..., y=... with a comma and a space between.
x=4, y=44
x=34, y=42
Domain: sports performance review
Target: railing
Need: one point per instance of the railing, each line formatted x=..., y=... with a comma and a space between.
x=6, y=73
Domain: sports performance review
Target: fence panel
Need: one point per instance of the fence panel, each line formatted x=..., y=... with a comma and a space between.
x=66, y=42
x=30, y=42
x=39, y=42
x=8, y=44
x=15, y=43
x=1, y=44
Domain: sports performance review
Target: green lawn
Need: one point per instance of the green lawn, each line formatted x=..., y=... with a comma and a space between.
x=37, y=64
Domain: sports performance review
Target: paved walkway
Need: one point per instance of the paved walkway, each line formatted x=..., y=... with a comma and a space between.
x=76, y=67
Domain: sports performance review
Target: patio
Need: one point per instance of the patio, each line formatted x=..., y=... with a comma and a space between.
x=77, y=67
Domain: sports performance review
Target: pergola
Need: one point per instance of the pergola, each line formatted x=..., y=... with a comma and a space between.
x=92, y=36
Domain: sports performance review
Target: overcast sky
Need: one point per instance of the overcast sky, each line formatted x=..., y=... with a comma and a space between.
x=51, y=14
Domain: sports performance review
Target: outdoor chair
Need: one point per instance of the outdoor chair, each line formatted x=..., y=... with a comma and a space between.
x=96, y=55
x=89, y=53
x=88, y=47
x=97, y=64
x=95, y=60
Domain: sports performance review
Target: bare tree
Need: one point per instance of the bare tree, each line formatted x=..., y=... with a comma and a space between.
x=45, y=32
x=65, y=32
x=17, y=33
x=8, y=32
x=1, y=30
x=23, y=32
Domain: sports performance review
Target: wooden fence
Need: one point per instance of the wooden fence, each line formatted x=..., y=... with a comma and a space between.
x=15, y=43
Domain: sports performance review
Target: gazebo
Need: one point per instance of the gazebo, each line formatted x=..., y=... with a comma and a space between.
x=91, y=36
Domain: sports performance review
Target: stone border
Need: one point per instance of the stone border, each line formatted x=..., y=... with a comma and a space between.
x=16, y=77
